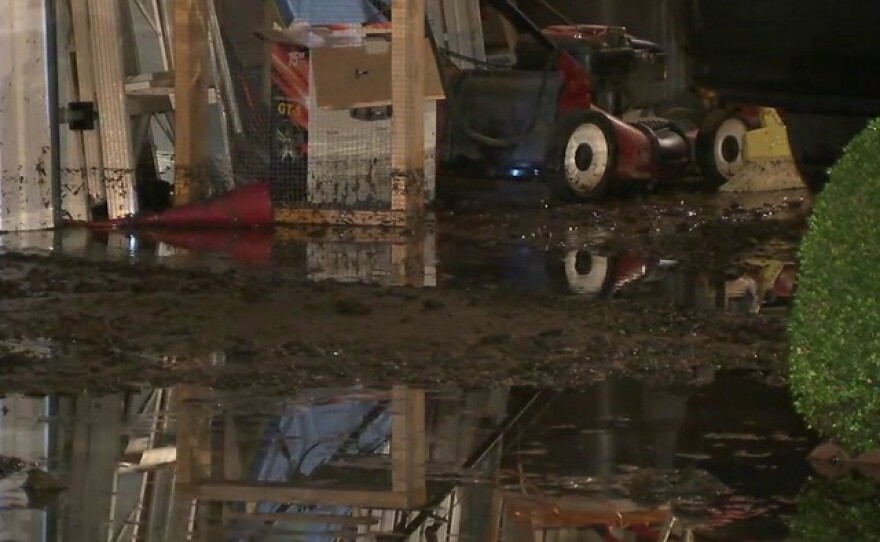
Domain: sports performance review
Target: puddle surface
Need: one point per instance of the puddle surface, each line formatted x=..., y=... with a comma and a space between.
x=751, y=286
x=617, y=460
x=378, y=257
x=614, y=461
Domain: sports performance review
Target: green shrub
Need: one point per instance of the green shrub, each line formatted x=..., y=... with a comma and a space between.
x=834, y=331
x=837, y=510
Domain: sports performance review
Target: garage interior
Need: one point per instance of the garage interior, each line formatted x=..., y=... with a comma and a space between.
x=437, y=270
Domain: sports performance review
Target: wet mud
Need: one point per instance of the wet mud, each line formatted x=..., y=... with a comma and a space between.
x=632, y=290
x=87, y=320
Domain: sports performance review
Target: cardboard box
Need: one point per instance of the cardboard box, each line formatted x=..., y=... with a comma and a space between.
x=331, y=116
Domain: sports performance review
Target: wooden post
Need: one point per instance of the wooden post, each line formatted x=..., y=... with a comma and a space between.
x=193, y=435
x=408, y=106
x=409, y=449
x=190, y=100
x=408, y=258
x=90, y=486
x=494, y=519
x=232, y=468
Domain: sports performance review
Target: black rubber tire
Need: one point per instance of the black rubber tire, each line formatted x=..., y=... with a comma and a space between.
x=817, y=142
x=555, y=170
x=713, y=173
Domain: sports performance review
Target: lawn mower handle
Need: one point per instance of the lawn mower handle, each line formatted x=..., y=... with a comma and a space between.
x=576, y=87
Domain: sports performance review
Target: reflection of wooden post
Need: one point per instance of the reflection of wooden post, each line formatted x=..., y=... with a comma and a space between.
x=231, y=452
x=179, y=517
x=408, y=105
x=97, y=425
x=193, y=436
x=408, y=259
x=721, y=300
x=494, y=519
x=184, y=428
x=415, y=257
x=190, y=99
x=408, y=444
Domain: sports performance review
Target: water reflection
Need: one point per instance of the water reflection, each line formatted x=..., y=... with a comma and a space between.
x=365, y=255
x=392, y=258
x=634, y=274
x=617, y=460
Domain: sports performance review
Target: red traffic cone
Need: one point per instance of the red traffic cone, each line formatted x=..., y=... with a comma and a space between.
x=245, y=207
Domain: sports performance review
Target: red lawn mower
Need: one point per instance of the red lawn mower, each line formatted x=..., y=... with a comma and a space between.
x=556, y=115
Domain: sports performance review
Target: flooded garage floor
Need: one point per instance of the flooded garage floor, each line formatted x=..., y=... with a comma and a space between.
x=586, y=372
x=619, y=459
x=555, y=297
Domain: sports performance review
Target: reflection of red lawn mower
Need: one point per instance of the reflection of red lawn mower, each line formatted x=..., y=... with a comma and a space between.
x=590, y=273
x=556, y=115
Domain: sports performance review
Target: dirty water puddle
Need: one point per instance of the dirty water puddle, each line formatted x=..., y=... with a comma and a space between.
x=570, y=265
x=747, y=286
x=619, y=459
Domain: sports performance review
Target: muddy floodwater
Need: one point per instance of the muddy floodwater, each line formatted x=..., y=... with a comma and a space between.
x=725, y=459
x=583, y=373
x=554, y=297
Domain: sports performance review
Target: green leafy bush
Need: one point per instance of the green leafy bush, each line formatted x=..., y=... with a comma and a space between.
x=835, y=326
x=837, y=510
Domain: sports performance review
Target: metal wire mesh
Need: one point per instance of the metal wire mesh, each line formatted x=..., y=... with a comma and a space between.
x=290, y=104
x=317, y=146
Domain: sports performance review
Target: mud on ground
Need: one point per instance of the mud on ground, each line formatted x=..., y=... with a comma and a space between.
x=70, y=324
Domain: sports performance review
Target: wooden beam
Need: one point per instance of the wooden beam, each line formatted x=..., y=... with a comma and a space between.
x=232, y=464
x=194, y=437
x=191, y=100
x=185, y=423
x=408, y=103
x=398, y=265
x=235, y=491
x=415, y=257
x=328, y=519
x=408, y=259
x=90, y=485
x=494, y=519
x=409, y=449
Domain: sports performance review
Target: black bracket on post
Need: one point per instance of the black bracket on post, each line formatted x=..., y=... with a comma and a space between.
x=80, y=116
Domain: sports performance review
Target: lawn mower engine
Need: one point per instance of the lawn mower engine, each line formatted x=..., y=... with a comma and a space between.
x=527, y=123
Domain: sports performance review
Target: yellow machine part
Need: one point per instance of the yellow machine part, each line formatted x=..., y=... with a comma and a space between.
x=770, y=141
x=767, y=161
